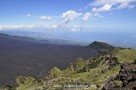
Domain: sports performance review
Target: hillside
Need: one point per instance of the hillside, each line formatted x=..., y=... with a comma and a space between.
x=27, y=65
x=25, y=56
x=90, y=74
x=101, y=45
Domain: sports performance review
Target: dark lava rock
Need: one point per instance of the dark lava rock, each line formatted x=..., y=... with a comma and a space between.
x=113, y=61
x=125, y=80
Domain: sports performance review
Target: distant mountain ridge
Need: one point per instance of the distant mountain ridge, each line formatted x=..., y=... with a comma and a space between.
x=39, y=37
x=2, y=35
x=123, y=39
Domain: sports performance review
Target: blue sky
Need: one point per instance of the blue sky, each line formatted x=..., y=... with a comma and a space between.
x=72, y=15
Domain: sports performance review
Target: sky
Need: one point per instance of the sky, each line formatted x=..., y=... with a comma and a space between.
x=71, y=15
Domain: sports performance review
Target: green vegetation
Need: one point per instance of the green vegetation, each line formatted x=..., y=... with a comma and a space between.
x=28, y=83
x=55, y=72
x=92, y=72
x=126, y=55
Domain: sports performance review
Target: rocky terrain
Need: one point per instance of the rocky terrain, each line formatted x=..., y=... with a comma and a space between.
x=125, y=80
x=110, y=70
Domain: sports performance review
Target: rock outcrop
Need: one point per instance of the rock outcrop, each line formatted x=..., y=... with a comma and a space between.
x=125, y=80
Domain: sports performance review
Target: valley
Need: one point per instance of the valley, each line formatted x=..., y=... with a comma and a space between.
x=26, y=56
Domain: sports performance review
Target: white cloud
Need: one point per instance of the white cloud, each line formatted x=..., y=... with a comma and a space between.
x=107, y=5
x=86, y=16
x=101, y=6
x=52, y=27
x=28, y=27
x=97, y=15
x=105, y=8
x=15, y=27
x=28, y=15
x=41, y=27
x=112, y=2
x=70, y=15
x=45, y=17
x=94, y=9
x=74, y=28
x=125, y=5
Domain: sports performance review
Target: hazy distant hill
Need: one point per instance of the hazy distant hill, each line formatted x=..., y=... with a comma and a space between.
x=45, y=37
x=24, y=56
x=100, y=45
x=122, y=39
x=6, y=36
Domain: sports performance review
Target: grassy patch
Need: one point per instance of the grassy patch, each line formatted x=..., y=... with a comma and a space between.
x=55, y=72
x=126, y=55
x=28, y=83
